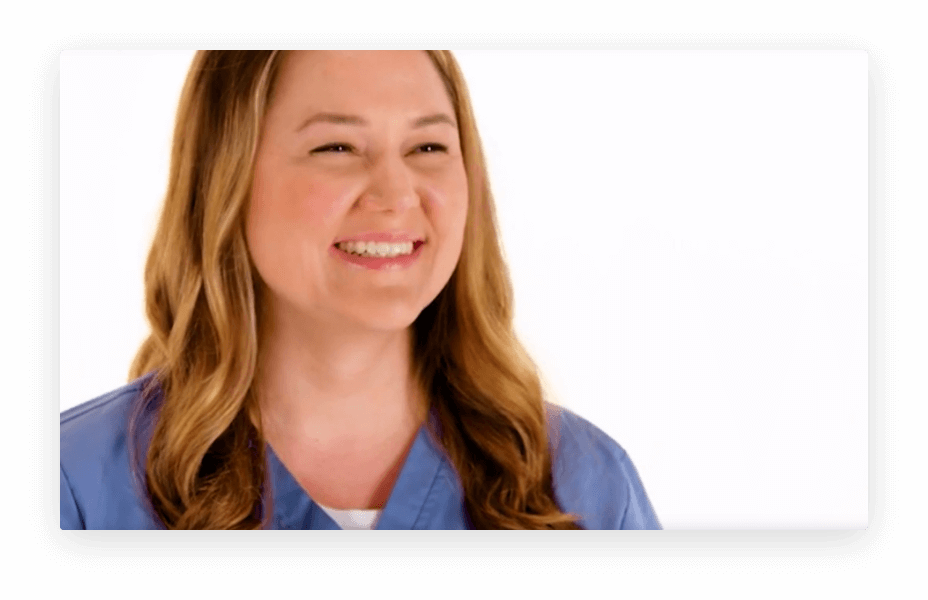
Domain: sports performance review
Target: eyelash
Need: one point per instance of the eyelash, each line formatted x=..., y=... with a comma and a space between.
x=329, y=147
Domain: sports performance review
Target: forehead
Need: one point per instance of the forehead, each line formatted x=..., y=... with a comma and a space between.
x=359, y=79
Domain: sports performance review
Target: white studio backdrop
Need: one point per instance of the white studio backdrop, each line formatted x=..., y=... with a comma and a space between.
x=687, y=237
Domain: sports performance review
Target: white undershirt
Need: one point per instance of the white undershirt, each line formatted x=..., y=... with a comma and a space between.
x=353, y=519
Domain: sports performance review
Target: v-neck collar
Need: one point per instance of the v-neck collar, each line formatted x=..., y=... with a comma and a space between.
x=417, y=489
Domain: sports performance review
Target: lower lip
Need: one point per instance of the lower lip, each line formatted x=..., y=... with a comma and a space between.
x=379, y=263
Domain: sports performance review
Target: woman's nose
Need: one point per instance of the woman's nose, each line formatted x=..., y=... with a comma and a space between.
x=391, y=186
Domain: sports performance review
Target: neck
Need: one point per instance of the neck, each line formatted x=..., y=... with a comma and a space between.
x=337, y=392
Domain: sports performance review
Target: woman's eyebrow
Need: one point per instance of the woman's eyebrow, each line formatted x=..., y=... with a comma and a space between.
x=340, y=119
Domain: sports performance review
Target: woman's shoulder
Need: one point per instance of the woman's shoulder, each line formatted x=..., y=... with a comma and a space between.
x=97, y=487
x=575, y=436
x=594, y=476
x=101, y=422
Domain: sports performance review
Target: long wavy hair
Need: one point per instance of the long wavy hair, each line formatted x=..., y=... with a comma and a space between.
x=205, y=465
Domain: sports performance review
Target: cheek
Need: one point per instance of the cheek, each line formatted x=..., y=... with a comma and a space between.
x=448, y=215
x=457, y=216
x=316, y=202
x=288, y=207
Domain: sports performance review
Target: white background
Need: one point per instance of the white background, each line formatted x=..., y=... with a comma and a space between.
x=687, y=233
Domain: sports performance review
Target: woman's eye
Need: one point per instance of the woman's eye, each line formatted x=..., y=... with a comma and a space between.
x=439, y=147
x=435, y=147
x=325, y=148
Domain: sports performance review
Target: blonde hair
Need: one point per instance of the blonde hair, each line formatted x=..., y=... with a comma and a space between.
x=205, y=466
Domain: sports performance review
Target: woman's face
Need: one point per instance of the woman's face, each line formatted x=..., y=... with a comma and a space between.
x=357, y=146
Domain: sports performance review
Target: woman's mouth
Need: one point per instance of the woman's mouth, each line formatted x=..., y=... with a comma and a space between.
x=379, y=256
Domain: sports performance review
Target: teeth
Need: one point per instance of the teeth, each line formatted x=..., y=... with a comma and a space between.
x=377, y=249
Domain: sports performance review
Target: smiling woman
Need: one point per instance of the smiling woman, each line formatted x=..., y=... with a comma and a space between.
x=331, y=324
x=686, y=234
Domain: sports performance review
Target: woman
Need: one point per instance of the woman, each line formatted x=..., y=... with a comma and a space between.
x=332, y=341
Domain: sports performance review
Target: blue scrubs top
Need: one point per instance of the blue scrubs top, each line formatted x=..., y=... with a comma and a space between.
x=592, y=475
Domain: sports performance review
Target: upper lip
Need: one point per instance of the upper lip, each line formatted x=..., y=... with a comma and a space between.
x=382, y=236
